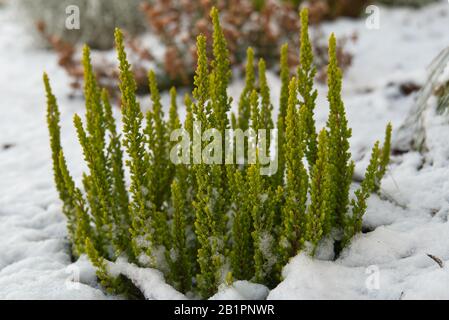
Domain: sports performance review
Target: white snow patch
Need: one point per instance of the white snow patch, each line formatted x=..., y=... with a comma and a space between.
x=444, y=77
x=241, y=290
x=150, y=281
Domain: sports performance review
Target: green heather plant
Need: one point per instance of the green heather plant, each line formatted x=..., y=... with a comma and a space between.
x=204, y=224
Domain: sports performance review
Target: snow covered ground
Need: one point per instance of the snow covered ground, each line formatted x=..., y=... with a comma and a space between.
x=404, y=225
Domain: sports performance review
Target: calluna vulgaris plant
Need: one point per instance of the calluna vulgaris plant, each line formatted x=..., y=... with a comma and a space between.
x=206, y=224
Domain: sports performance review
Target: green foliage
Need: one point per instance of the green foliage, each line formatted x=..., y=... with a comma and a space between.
x=179, y=252
x=242, y=227
x=296, y=185
x=212, y=195
x=244, y=110
x=319, y=211
x=82, y=228
x=134, y=143
x=160, y=170
x=208, y=231
x=174, y=122
x=339, y=134
x=374, y=173
x=283, y=103
x=262, y=206
x=353, y=224
x=384, y=157
x=258, y=4
x=219, y=76
x=255, y=114
x=100, y=264
x=59, y=164
x=306, y=75
x=188, y=123
x=206, y=224
x=116, y=174
x=266, y=108
x=201, y=90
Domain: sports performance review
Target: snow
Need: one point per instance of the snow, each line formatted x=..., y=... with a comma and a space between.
x=444, y=77
x=403, y=225
x=241, y=290
x=150, y=281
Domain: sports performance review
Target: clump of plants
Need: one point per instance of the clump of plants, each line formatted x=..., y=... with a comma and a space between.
x=207, y=223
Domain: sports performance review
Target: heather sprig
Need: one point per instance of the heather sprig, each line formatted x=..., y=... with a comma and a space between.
x=205, y=224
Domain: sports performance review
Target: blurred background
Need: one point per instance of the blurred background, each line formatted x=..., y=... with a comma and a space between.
x=161, y=34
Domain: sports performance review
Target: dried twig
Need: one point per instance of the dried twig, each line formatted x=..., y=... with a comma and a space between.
x=436, y=259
